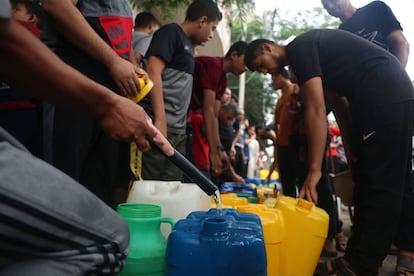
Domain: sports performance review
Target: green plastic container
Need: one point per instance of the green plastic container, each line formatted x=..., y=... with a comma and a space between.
x=147, y=244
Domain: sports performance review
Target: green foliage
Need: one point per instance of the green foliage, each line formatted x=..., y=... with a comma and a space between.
x=306, y=20
x=248, y=31
x=279, y=26
x=169, y=7
x=259, y=100
x=150, y=4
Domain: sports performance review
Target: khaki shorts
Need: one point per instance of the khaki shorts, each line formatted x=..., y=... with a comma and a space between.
x=156, y=166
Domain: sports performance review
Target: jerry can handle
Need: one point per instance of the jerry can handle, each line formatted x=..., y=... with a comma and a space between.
x=168, y=220
x=304, y=204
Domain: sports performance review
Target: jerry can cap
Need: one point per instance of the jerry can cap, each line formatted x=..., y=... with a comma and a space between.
x=146, y=86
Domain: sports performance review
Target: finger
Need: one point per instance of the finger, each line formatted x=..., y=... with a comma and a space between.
x=136, y=84
x=141, y=73
x=302, y=193
x=315, y=196
x=142, y=143
x=312, y=197
x=123, y=89
x=215, y=172
x=131, y=88
x=308, y=195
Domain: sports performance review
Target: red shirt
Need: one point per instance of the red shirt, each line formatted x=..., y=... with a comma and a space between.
x=18, y=101
x=333, y=131
x=208, y=74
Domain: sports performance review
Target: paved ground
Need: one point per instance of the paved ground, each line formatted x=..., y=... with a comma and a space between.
x=388, y=265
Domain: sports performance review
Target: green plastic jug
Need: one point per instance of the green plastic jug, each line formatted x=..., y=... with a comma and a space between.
x=147, y=244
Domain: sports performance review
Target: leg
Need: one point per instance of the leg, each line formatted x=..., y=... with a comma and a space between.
x=405, y=238
x=380, y=176
x=52, y=223
x=155, y=166
x=287, y=170
x=327, y=203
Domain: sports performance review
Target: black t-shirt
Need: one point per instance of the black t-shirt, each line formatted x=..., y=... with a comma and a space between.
x=226, y=136
x=373, y=22
x=348, y=65
x=172, y=45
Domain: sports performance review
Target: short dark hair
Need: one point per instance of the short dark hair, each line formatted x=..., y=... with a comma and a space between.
x=235, y=98
x=230, y=107
x=254, y=49
x=144, y=19
x=33, y=7
x=239, y=47
x=259, y=128
x=200, y=8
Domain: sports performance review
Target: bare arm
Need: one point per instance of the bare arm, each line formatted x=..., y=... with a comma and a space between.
x=275, y=162
x=342, y=115
x=133, y=58
x=155, y=67
x=138, y=57
x=73, y=26
x=316, y=131
x=210, y=113
x=399, y=46
x=237, y=136
x=28, y=64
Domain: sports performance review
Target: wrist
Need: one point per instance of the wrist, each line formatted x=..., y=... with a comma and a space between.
x=217, y=148
x=105, y=104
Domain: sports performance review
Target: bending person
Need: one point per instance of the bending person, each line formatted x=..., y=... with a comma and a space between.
x=367, y=109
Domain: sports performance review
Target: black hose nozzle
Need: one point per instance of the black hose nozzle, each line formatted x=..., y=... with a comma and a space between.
x=190, y=170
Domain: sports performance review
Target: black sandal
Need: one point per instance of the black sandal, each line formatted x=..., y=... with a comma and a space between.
x=337, y=267
x=405, y=264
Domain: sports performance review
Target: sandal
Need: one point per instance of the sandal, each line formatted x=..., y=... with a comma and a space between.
x=405, y=264
x=335, y=267
x=341, y=241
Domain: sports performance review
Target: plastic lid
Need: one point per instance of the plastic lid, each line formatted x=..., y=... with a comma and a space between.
x=146, y=87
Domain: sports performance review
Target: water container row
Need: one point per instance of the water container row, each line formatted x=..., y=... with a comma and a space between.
x=255, y=191
x=252, y=240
